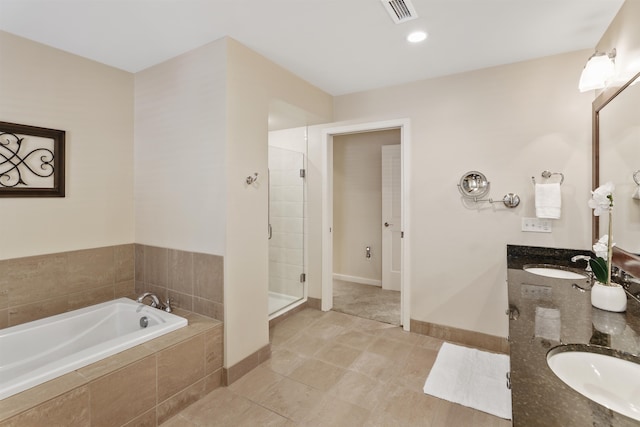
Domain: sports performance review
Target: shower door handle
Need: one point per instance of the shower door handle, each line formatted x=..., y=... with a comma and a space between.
x=270, y=232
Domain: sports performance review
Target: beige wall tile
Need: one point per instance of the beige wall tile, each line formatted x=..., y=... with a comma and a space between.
x=125, y=289
x=4, y=318
x=156, y=266
x=89, y=268
x=124, y=263
x=179, y=366
x=148, y=419
x=181, y=271
x=213, y=381
x=35, y=278
x=179, y=401
x=70, y=409
x=119, y=397
x=4, y=284
x=208, y=276
x=208, y=308
x=35, y=396
x=180, y=300
x=114, y=363
x=213, y=348
x=37, y=310
x=139, y=262
x=90, y=297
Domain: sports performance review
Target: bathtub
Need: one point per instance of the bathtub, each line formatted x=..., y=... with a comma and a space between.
x=39, y=351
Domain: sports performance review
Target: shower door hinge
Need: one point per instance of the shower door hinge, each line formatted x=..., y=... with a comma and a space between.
x=402, y=234
x=303, y=278
x=303, y=173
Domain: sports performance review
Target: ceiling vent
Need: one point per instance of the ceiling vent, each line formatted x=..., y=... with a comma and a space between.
x=400, y=10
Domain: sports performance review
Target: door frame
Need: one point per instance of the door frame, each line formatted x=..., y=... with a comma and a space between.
x=327, y=135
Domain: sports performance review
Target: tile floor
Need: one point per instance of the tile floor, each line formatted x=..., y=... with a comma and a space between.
x=333, y=369
x=370, y=302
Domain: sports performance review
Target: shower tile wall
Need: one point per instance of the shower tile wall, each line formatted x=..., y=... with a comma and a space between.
x=35, y=287
x=286, y=247
x=193, y=281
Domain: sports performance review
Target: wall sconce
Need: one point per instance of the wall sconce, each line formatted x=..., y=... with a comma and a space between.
x=598, y=71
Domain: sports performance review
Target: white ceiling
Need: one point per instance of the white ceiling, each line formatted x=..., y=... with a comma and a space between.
x=341, y=46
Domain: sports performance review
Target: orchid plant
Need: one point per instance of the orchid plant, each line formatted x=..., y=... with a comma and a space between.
x=602, y=202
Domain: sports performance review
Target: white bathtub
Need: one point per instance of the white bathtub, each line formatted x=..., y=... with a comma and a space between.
x=39, y=351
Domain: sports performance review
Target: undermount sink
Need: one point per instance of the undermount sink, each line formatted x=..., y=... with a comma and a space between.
x=554, y=271
x=608, y=377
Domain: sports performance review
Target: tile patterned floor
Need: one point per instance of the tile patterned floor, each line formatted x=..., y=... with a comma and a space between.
x=333, y=369
x=370, y=302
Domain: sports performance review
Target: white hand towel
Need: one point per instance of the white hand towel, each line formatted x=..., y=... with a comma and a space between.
x=548, y=201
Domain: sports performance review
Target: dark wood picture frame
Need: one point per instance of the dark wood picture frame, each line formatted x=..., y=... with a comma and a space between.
x=16, y=166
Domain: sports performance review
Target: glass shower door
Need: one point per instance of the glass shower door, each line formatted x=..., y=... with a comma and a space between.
x=286, y=225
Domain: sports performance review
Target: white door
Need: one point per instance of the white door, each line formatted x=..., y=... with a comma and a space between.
x=391, y=217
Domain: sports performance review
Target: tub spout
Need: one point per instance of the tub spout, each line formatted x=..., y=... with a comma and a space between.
x=155, y=302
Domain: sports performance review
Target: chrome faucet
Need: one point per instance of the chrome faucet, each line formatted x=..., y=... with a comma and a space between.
x=584, y=258
x=155, y=302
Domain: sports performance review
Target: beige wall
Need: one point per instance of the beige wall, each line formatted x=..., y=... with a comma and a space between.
x=510, y=122
x=252, y=83
x=93, y=103
x=180, y=152
x=357, y=203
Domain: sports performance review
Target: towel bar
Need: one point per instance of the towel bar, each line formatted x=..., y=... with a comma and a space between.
x=547, y=175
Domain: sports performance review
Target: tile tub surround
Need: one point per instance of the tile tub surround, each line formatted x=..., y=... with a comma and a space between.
x=539, y=397
x=35, y=287
x=193, y=281
x=144, y=385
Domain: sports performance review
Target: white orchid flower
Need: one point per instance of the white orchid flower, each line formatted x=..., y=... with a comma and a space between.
x=601, y=248
x=602, y=199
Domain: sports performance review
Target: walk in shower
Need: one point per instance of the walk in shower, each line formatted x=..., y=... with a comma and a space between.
x=287, y=171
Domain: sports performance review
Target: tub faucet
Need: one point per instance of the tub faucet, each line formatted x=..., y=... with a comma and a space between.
x=155, y=302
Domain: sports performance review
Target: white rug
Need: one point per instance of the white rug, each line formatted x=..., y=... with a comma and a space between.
x=472, y=378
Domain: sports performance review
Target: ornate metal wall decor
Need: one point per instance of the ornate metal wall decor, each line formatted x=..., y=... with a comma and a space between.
x=31, y=161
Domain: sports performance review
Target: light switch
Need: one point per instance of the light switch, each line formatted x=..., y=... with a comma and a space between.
x=536, y=225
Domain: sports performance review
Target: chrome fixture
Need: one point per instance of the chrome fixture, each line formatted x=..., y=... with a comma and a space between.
x=155, y=302
x=252, y=178
x=547, y=175
x=598, y=71
x=474, y=185
x=367, y=252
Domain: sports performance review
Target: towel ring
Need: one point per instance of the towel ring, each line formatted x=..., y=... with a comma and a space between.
x=547, y=175
x=636, y=177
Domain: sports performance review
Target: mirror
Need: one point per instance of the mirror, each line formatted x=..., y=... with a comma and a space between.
x=616, y=158
x=473, y=185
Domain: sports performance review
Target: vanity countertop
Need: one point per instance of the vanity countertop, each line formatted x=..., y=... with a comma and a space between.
x=550, y=312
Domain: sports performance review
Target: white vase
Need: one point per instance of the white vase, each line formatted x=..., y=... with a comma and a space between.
x=610, y=298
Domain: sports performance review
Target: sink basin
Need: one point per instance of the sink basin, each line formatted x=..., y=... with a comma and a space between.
x=554, y=271
x=606, y=376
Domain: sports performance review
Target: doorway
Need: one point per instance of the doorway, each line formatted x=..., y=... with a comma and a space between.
x=327, y=138
x=365, y=284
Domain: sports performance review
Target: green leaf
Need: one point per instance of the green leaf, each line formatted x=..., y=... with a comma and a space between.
x=599, y=268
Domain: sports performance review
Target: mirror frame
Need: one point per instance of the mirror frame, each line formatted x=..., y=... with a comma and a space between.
x=622, y=258
x=607, y=95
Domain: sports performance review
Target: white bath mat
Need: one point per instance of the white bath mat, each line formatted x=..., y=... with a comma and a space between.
x=472, y=378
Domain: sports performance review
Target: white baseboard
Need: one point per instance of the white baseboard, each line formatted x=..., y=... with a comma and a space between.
x=356, y=279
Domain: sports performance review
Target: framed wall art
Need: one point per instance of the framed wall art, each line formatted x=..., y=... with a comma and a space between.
x=31, y=161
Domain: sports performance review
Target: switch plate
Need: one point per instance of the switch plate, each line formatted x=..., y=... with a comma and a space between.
x=536, y=225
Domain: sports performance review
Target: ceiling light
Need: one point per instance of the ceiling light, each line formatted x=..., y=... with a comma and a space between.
x=600, y=69
x=417, y=37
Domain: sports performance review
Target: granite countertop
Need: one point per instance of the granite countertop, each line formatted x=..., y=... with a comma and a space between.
x=549, y=312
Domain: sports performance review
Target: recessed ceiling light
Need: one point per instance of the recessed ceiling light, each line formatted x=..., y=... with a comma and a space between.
x=417, y=37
